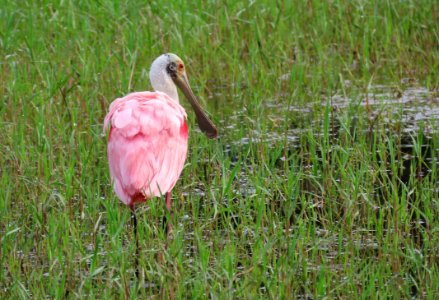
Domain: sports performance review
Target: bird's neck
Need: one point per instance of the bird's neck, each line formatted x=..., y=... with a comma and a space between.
x=162, y=82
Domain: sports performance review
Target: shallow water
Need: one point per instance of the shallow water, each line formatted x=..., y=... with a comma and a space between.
x=410, y=107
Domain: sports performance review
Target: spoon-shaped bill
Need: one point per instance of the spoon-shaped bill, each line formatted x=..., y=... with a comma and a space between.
x=205, y=124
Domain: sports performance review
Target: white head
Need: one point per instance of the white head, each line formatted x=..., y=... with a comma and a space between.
x=160, y=78
x=167, y=72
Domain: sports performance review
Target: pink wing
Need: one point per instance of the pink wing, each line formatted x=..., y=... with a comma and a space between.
x=147, y=145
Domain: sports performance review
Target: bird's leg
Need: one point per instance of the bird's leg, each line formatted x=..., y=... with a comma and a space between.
x=167, y=227
x=168, y=201
x=168, y=223
x=134, y=220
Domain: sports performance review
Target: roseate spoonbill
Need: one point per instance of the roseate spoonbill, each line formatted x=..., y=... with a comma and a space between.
x=147, y=143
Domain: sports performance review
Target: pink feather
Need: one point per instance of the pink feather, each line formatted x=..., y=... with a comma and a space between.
x=147, y=145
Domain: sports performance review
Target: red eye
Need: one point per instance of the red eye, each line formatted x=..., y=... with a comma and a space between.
x=180, y=66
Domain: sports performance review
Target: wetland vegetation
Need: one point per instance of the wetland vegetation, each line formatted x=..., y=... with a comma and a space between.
x=323, y=182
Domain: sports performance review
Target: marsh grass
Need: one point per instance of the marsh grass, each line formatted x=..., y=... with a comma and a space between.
x=298, y=198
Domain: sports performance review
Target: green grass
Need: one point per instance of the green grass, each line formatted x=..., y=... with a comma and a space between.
x=339, y=210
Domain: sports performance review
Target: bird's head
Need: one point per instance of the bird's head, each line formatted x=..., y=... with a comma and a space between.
x=168, y=71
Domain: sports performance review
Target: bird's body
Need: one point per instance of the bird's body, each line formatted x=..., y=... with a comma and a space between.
x=148, y=136
x=147, y=145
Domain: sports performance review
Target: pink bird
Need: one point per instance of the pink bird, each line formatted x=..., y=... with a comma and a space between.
x=148, y=137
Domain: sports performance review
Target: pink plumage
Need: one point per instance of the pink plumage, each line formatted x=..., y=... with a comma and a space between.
x=147, y=145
